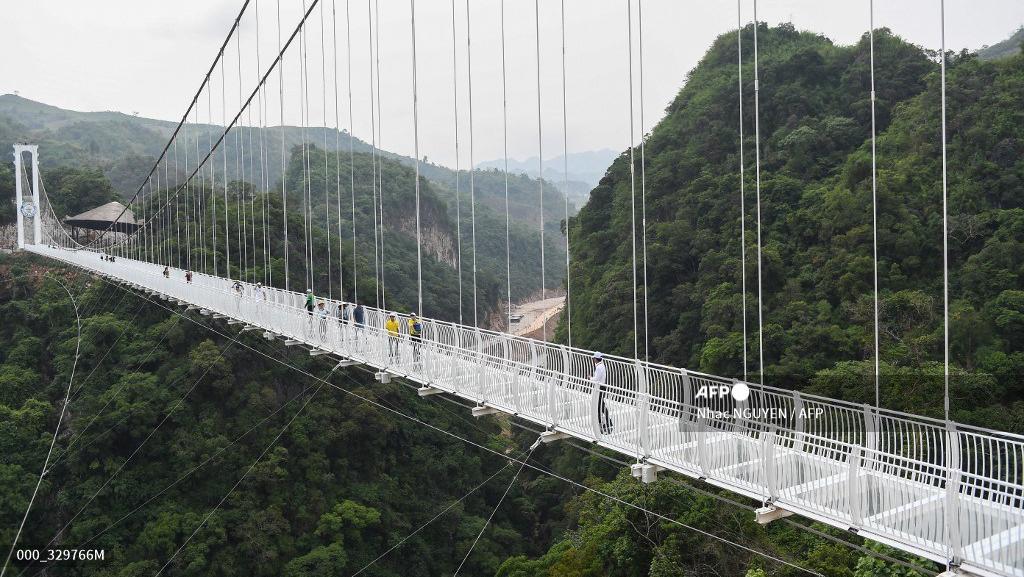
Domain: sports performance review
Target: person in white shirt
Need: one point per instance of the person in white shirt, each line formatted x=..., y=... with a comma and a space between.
x=321, y=314
x=600, y=380
x=259, y=293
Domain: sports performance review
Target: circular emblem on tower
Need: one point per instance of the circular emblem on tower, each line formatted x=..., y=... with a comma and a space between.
x=28, y=209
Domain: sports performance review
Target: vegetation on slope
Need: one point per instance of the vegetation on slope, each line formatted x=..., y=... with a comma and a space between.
x=345, y=481
x=816, y=219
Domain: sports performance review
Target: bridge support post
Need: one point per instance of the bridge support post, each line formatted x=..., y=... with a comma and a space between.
x=552, y=436
x=645, y=472
x=643, y=408
x=952, y=498
x=853, y=495
x=769, y=513
x=484, y=410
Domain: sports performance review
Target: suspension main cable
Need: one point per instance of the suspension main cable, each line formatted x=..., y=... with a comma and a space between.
x=229, y=126
x=181, y=123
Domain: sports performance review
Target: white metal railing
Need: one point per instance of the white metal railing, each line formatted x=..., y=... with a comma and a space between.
x=941, y=490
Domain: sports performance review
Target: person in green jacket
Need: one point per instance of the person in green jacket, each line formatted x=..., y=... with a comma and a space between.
x=310, y=301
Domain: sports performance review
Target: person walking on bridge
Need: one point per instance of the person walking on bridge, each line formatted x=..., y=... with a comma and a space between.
x=310, y=301
x=392, y=327
x=188, y=277
x=343, y=315
x=321, y=315
x=600, y=380
x=359, y=317
x=415, y=336
x=167, y=272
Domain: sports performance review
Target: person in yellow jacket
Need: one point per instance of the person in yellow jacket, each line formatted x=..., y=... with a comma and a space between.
x=415, y=336
x=391, y=325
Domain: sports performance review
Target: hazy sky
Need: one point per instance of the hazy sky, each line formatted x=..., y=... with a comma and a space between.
x=149, y=57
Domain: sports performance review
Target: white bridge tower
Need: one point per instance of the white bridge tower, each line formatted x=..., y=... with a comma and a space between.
x=27, y=208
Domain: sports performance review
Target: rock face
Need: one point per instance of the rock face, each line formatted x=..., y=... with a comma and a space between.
x=436, y=240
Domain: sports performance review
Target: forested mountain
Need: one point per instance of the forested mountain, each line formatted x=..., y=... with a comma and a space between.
x=816, y=219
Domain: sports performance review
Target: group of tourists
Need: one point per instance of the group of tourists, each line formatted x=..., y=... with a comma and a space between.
x=353, y=315
x=346, y=314
x=415, y=330
x=167, y=273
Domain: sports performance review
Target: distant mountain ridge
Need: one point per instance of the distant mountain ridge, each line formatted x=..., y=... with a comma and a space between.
x=585, y=170
x=1008, y=47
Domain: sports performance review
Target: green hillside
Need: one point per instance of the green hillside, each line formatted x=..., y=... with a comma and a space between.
x=125, y=147
x=816, y=210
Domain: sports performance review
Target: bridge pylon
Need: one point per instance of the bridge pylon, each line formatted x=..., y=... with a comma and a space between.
x=27, y=209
